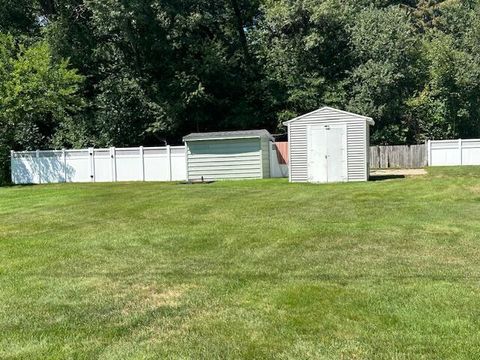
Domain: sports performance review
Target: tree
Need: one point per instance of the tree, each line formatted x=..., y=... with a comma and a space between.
x=19, y=16
x=388, y=71
x=304, y=49
x=158, y=69
x=38, y=94
x=448, y=105
x=154, y=70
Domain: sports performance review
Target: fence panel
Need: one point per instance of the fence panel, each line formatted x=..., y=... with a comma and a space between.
x=103, y=165
x=99, y=165
x=25, y=168
x=454, y=152
x=278, y=159
x=157, y=164
x=398, y=156
x=178, y=163
x=471, y=152
x=129, y=164
x=77, y=165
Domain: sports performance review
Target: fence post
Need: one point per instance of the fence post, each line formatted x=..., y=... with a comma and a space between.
x=11, y=167
x=270, y=154
x=429, y=153
x=187, y=176
x=113, y=163
x=425, y=158
x=37, y=160
x=460, y=149
x=64, y=161
x=142, y=162
x=169, y=155
x=92, y=164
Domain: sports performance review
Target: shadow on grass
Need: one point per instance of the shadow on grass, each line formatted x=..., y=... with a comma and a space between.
x=196, y=182
x=385, y=177
x=16, y=185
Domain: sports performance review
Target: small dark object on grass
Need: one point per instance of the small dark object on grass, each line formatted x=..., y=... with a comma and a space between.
x=197, y=181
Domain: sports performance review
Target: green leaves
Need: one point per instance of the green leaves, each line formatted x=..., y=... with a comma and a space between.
x=37, y=94
x=385, y=45
x=35, y=86
x=448, y=104
x=154, y=70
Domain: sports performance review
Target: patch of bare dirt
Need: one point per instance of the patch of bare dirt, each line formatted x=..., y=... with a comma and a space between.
x=398, y=172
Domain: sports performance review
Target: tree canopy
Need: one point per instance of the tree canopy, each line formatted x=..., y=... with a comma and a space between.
x=146, y=72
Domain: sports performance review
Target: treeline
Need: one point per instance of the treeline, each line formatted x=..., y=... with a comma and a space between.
x=76, y=73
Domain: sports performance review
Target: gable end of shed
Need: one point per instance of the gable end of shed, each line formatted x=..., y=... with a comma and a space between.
x=327, y=109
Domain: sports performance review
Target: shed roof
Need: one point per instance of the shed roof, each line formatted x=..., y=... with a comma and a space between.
x=369, y=120
x=221, y=135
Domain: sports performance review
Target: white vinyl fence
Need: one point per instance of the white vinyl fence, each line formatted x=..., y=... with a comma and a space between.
x=109, y=165
x=453, y=152
x=99, y=165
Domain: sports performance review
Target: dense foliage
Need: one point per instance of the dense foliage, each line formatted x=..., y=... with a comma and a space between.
x=131, y=72
x=39, y=97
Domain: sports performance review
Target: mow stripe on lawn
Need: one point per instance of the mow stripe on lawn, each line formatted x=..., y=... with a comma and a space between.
x=242, y=269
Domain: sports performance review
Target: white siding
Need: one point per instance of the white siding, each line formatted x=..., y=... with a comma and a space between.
x=298, y=152
x=357, y=146
x=224, y=159
x=265, y=144
x=367, y=147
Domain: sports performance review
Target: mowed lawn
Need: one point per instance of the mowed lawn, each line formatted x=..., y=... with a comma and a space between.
x=243, y=269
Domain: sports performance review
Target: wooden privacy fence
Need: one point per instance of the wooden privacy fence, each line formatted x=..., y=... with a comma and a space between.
x=398, y=156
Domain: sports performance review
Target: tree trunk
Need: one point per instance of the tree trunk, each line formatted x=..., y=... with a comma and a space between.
x=48, y=7
x=240, y=28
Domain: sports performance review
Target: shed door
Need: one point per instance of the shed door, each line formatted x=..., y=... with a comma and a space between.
x=327, y=153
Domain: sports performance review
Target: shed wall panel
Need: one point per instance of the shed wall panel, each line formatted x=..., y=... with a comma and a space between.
x=356, y=144
x=225, y=159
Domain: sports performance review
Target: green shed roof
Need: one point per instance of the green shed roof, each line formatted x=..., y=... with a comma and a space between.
x=221, y=135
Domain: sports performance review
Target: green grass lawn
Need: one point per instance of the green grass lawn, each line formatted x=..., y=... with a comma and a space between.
x=249, y=269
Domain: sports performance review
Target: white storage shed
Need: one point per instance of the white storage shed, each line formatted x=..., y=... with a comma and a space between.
x=329, y=145
x=228, y=155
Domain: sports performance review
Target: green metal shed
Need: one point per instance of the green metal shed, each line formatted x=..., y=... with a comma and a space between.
x=228, y=155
